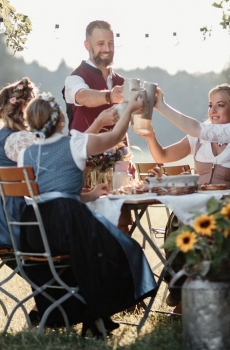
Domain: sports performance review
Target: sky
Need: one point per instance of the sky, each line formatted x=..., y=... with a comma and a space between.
x=132, y=19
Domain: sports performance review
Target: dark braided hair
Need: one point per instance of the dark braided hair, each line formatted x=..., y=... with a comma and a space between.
x=13, y=100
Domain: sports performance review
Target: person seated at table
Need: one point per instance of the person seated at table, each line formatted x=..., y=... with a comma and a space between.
x=13, y=136
x=208, y=142
x=211, y=159
x=215, y=133
x=109, y=267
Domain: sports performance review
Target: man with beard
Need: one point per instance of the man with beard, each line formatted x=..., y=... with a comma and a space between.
x=93, y=86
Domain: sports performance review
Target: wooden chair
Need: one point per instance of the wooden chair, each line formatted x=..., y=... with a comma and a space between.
x=175, y=169
x=21, y=182
x=142, y=171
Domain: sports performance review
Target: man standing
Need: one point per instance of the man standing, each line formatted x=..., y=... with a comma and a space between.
x=93, y=86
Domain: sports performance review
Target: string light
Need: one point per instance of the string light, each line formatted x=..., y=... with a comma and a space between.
x=118, y=40
x=2, y=26
x=175, y=39
x=227, y=24
x=147, y=40
x=56, y=31
x=202, y=34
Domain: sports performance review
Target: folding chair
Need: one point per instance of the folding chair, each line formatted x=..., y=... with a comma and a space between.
x=142, y=172
x=21, y=182
x=8, y=256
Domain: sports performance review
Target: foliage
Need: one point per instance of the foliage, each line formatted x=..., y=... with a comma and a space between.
x=225, y=14
x=106, y=160
x=18, y=26
x=206, y=242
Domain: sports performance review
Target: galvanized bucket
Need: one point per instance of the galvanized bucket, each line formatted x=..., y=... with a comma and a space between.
x=206, y=314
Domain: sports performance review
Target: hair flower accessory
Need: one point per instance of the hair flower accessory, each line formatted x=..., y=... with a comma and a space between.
x=13, y=100
x=18, y=91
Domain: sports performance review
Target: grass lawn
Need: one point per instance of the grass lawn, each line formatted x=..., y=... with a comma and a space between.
x=160, y=332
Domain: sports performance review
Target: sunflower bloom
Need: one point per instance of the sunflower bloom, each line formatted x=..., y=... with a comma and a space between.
x=225, y=211
x=227, y=233
x=204, y=224
x=185, y=241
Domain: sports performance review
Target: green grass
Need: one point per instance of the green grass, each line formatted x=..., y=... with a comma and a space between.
x=160, y=333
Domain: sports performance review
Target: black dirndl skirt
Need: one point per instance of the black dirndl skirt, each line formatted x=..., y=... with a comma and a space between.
x=109, y=266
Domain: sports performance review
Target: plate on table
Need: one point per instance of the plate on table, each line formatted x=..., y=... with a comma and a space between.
x=214, y=192
x=131, y=196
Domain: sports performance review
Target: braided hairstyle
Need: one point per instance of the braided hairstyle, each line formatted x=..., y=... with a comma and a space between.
x=13, y=100
x=43, y=114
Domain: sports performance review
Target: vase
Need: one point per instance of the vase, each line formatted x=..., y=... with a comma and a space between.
x=98, y=177
x=206, y=314
x=121, y=166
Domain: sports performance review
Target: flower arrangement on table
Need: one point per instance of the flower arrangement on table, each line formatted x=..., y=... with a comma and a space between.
x=103, y=162
x=206, y=242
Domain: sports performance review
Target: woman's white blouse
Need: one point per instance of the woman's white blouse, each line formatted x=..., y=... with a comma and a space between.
x=205, y=154
x=215, y=132
x=78, y=147
x=17, y=141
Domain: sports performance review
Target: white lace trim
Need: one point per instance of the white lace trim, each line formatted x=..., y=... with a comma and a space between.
x=215, y=132
x=16, y=141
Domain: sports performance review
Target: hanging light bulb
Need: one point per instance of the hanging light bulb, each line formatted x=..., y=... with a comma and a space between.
x=228, y=26
x=175, y=39
x=147, y=40
x=56, y=31
x=2, y=26
x=118, y=40
x=202, y=34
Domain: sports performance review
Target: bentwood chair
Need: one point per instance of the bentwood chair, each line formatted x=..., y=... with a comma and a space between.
x=142, y=172
x=21, y=182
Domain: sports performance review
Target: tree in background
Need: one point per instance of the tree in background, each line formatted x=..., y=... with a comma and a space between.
x=15, y=25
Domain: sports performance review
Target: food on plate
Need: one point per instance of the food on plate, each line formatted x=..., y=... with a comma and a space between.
x=213, y=187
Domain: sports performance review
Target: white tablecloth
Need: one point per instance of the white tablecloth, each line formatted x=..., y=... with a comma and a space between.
x=184, y=206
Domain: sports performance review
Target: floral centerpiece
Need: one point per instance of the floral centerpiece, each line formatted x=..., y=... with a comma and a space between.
x=100, y=167
x=104, y=161
x=206, y=242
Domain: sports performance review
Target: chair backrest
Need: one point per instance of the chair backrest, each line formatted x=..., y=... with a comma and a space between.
x=176, y=169
x=18, y=182
x=143, y=169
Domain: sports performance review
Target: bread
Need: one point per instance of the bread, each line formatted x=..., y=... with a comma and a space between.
x=213, y=187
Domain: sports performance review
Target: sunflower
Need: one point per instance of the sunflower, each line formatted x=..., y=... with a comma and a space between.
x=185, y=241
x=204, y=224
x=227, y=232
x=225, y=211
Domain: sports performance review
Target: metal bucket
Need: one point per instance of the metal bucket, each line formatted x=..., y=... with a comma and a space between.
x=206, y=315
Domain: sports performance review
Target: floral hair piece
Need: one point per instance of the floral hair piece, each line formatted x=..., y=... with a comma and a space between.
x=18, y=91
x=54, y=115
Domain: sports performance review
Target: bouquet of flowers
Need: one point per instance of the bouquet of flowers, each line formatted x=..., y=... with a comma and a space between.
x=206, y=242
x=106, y=160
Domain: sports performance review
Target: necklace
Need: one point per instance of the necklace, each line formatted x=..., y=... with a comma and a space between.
x=221, y=144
